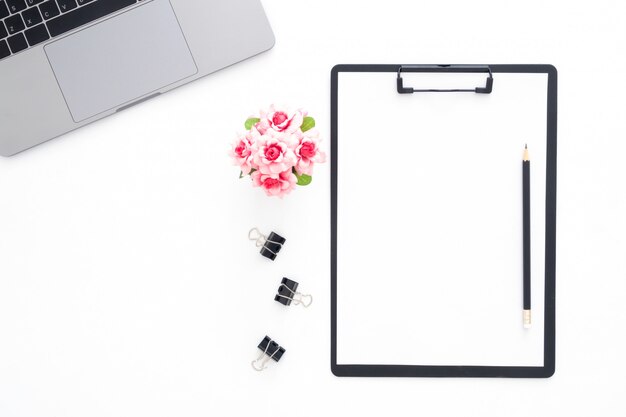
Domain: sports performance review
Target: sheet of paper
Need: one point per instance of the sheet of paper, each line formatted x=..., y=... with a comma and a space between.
x=430, y=221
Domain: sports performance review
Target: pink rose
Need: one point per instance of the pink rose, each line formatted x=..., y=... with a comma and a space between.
x=308, y=152
x=281, y=120
x=262, y=127
x=273, y=152
x=241, y=152
x=275, y=184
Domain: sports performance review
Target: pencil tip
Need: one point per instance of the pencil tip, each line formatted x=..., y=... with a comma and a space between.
x=526, y=146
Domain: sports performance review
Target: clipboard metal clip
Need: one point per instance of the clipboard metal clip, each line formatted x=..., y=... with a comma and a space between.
x=445, y=68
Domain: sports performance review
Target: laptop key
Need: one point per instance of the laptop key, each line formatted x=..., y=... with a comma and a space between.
x=33, y=2
x=3, y=31
x=4, y=10
x=85, y=14
x=17, y=43
x=81, y=2
x=16, y=5
x=49, y=9
x=66, y=5
x=32, y=16
x=4, y=49
x=14, y=24
x=36, y=35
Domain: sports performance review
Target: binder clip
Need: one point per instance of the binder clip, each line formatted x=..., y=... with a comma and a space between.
x=270, y=245
x=269, y=350
x=287, y=293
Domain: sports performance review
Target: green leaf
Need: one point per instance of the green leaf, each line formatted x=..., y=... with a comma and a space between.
x=249, y=173
x=251, y=122
x=304, y=179
x=307, y=124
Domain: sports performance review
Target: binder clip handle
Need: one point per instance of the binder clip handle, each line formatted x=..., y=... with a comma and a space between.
x=260, y=363
x=303, y=299
x=259, y=238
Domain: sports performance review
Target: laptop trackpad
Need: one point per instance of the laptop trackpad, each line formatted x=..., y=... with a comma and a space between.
x=121, y=59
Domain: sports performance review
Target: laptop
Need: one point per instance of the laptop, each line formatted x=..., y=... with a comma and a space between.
x=67, y=63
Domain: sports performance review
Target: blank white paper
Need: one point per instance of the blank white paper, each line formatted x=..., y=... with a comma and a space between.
x=429, y=255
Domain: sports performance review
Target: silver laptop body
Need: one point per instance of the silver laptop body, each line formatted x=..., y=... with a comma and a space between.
x=67, y=63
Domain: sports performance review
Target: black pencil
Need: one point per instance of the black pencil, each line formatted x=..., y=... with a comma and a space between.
x=526, y=215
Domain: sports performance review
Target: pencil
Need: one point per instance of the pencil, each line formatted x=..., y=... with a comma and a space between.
x=526, y=255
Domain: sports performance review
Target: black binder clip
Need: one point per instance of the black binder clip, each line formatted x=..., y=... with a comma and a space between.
x=270, y=245
x=269, y=350
x=287, y=293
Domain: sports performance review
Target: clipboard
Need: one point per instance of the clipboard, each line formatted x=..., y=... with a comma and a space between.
x=426, y=220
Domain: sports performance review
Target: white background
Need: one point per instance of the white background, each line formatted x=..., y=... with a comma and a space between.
x=127, y=286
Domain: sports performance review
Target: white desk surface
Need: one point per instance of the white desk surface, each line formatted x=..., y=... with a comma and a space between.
x=127, y=285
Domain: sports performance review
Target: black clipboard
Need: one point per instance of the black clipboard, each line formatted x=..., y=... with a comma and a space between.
x=491, y=72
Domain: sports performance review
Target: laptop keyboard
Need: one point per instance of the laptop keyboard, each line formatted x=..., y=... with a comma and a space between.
x=26, y=23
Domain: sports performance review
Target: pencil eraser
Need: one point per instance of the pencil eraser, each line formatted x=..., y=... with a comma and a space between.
x=527, y=322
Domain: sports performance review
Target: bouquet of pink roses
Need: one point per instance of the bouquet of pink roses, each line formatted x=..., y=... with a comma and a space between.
x=278, y=150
